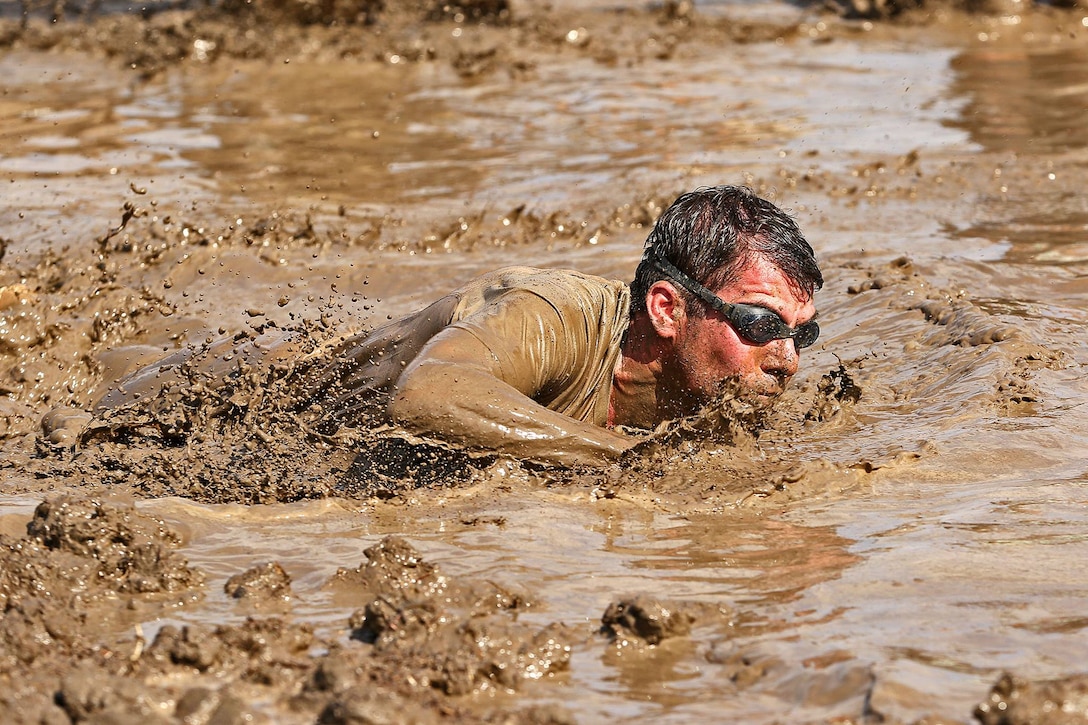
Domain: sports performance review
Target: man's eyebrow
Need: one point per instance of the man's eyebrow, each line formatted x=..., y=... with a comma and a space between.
x=778, y=311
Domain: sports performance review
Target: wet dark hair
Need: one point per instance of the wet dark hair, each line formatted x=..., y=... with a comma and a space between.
x=712, y=233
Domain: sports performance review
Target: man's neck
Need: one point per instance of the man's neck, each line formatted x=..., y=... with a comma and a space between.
x=634, y=399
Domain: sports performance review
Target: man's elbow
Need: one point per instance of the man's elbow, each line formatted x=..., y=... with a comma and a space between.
x=422, y=400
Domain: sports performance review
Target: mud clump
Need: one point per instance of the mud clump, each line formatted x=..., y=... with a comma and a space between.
x=395, y=570
x=422, y=640
x=1016, y=701
x=649, y=620
x=449, y=637
x=77, y=558
x=132, y=551
x=264, y=653
x=90, y=550
x=264, y=583
x=267, y=651
x=60, y=590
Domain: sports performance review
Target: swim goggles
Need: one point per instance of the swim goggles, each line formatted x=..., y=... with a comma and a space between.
x=752, y=322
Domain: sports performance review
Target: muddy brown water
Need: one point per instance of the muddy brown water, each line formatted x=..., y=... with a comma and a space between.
x=922, y=540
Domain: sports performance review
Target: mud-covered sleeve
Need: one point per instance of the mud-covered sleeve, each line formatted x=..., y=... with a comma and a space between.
x=474, y=384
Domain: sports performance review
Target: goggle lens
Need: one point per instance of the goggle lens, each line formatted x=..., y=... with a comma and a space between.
x=761, y=325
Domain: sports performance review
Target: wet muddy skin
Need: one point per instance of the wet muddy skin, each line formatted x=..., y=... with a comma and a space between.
x=901, y=540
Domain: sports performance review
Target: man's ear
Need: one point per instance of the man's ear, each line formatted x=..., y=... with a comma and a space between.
x=665, y=307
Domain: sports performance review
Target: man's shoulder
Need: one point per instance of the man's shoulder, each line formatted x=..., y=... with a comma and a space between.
x=566, y=291
x=541, y=279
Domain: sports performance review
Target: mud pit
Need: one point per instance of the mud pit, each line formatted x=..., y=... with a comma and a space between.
x=903, y=531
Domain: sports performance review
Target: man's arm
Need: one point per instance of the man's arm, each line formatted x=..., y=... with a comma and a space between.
x=472, y=384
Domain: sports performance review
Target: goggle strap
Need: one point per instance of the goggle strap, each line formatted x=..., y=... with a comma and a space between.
x=667, y=267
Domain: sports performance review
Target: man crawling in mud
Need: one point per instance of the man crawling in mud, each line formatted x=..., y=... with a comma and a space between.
x=546, y=365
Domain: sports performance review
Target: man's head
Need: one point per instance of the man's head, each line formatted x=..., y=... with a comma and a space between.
x=711, y=233
x=727, y=281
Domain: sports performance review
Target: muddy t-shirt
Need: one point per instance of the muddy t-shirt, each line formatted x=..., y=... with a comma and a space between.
x=519, y=360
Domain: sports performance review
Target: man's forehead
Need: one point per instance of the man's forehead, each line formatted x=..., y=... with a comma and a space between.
x=760, y=276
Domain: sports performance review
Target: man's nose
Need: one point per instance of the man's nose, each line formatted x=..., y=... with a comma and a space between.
x=782, y=358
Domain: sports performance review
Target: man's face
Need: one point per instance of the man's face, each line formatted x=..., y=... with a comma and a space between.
x=709, y=355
